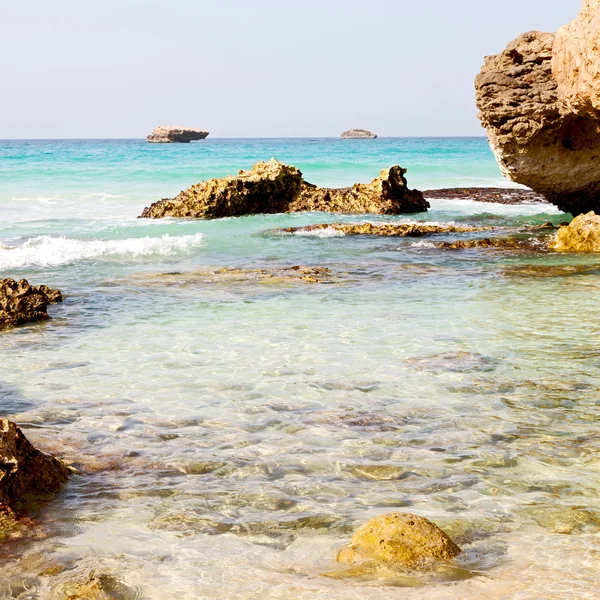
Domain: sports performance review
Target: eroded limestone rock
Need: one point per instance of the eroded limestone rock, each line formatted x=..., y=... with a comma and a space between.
x=538, y=101
x=273, y=187
x=99, y=586
x=21, y=302
x=399, y=540
x=167, y=134
x=581, y=235
x=26, y=473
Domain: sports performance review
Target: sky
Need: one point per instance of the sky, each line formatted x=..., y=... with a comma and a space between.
x=260, y=68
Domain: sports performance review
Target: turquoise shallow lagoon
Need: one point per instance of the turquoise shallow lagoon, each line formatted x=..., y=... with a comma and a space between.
x=230, y=435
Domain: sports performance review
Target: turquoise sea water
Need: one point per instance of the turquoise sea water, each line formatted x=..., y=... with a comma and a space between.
x=230, y=435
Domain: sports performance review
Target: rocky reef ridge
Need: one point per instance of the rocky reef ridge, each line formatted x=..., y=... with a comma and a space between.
x=168, y=134
x=539, y=100
x=358, y=134
x=21, y=302
x=273, y=187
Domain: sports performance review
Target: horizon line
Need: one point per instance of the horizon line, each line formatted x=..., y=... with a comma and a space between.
x=309, y=137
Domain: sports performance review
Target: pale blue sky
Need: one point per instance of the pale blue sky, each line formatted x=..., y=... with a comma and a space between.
x=117, y=68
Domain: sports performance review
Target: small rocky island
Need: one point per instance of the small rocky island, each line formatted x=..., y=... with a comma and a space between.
x=358, y=134
x=539, y=100
x=168, y=134
x=22, y=303
x=273, y=187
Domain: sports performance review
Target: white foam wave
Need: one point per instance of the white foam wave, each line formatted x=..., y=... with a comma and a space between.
x=46, y=250
x=327, y=232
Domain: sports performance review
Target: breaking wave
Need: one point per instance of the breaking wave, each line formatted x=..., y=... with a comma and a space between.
x=49, y=250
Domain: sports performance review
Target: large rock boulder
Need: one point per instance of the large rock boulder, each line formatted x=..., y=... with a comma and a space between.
x=581, y=235
x=358, y=134
x=26, y=473
x=400, y=540
x=21, y=302
x=272, y=187
x=536, y=100
x=167, y=134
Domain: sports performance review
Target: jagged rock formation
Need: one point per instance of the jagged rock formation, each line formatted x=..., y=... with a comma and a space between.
x=581, y=235
x=398, y=540
x=358, y=134
x=538, y=101
x=26, y=473
x=21, y=303
x=167, y=134
x=272, y=187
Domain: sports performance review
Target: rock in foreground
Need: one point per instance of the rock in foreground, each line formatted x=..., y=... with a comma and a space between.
x=539, y=101
x=273, y=187
x=358, y=134
x=582, y=235
x=167, y=134
x=21, y=303
x=26, y=473
x=398, y=540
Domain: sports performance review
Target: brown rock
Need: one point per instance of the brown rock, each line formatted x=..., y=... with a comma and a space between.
x=167, y=134
x=398, y=540
x=99, y=586
x=576, y=62
x=21, y=302
x=494, y=195
x=26, y=473
x=273, y=187
x=581, y=235
x=387, y=229
x=538, y=101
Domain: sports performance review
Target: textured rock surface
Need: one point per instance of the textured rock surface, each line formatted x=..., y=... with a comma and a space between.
x=26, y=474
x=387, y=229
x=98, y=586
x=582, y=235
x=400, y=540
x=576, y=62
x=167, y=134
x=273, y=187
x=358, y=134
x=537, y=100
x=21, y=302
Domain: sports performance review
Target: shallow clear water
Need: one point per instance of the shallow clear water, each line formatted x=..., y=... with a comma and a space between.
x=230, y=435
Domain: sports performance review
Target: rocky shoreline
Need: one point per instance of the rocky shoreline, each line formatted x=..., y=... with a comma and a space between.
x=514, y=196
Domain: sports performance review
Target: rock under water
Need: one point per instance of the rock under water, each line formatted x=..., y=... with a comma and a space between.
x=273, y=187
x=539, y=101
x=21, y=302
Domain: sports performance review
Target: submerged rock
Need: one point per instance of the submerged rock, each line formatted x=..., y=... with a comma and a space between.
x=167, y=134
x=99, y=587
x=539, y=100
x=400, y=540
x=358, y=134
x=387, y=229
x=273, y=187
x=493, y=195
x=26, y=473
x=581, y=235
x=21, y=302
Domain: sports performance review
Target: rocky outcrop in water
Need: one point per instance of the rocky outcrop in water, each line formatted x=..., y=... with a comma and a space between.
x=21, y=302
x=386, y=229
x=398, y=540
x=273, y=187
x=167, y=134
x=26, y=473
x=493, y=195
x=538, y=100
x=581, y=235
x=358, y=134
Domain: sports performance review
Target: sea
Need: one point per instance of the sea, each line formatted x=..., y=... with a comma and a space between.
x=229, y=434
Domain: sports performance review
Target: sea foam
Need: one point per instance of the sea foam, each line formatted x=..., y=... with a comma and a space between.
x=49, y=250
